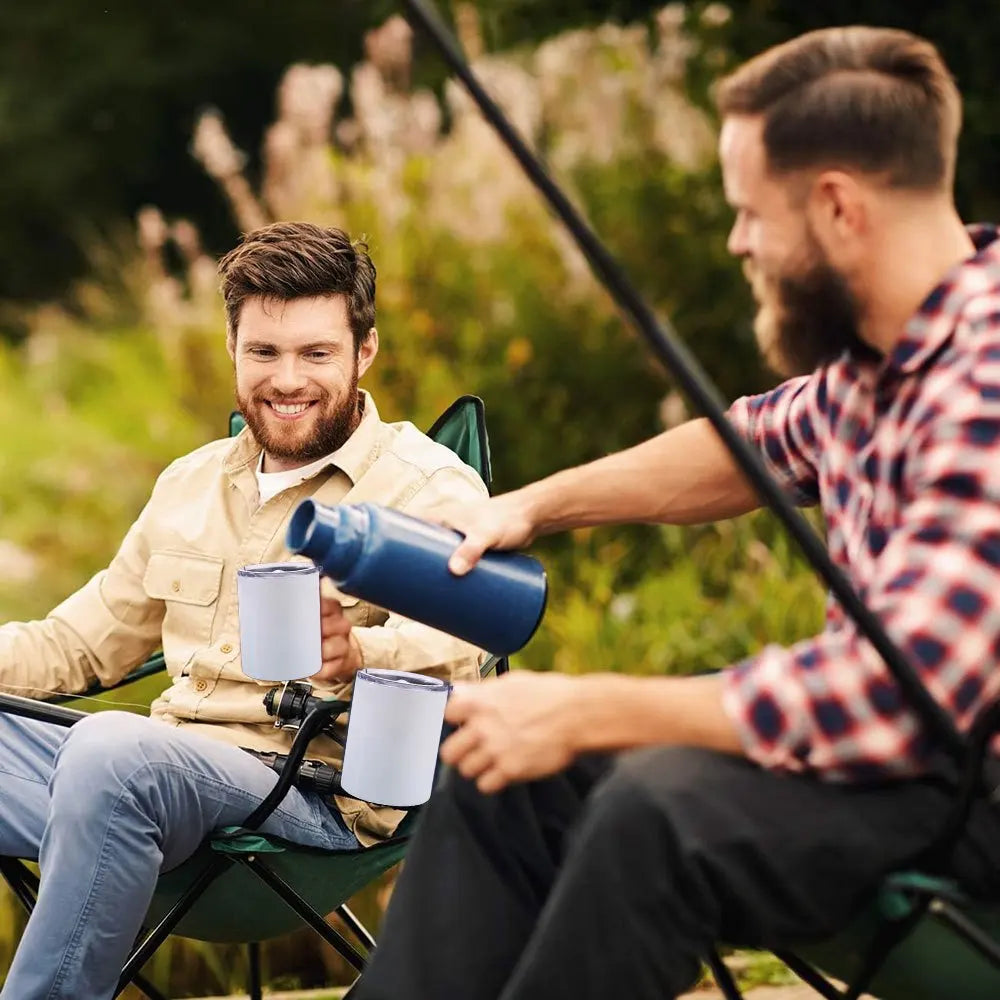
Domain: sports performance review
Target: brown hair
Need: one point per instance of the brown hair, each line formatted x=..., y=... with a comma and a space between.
x=874, y=99
x=290, y=260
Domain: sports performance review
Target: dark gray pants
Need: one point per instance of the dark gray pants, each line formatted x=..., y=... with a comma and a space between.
x=615, y=877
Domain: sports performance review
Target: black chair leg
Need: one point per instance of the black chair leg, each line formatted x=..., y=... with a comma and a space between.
x=21, y=880
x=305, y=911
x=810, y=976
x=141, y=954
x=148, y=988
x=254, y=983
x=723, y=977
x=357, y=928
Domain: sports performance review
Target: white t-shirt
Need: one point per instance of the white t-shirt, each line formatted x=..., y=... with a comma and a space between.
x=270, y=484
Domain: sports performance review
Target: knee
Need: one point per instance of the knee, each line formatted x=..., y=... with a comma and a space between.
x=101, y=754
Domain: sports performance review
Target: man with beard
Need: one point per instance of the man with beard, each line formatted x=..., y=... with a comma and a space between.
x=109, y=804
x=598, y=834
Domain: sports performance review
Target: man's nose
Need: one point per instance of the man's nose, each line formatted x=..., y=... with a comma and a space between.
x=288, y=376
x=737, y=242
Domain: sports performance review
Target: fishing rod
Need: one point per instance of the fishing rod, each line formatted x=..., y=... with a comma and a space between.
x=663, y=341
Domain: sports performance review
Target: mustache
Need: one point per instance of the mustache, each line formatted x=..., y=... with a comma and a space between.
x=755, y=277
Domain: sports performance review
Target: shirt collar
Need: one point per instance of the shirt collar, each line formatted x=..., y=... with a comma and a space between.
x=353, y=457
x=934, y=322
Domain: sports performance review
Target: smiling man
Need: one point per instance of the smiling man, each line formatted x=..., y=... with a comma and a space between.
x=600, y=833
x=109, y=804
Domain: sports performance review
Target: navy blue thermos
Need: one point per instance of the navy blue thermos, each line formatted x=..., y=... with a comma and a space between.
x=400, y=563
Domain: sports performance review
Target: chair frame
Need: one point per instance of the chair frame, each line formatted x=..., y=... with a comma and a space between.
x=924, y=898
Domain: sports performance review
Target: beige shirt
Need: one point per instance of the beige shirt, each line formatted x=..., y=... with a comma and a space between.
x=173, y=583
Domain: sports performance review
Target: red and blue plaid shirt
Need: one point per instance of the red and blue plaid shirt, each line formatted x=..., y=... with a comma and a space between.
x=903, y=455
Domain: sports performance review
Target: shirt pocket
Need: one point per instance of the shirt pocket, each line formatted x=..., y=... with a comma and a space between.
x=188, y=583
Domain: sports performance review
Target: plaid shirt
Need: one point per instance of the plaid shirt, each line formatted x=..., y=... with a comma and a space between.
x=903, y=455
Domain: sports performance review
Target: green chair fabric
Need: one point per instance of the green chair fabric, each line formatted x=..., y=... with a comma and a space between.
x=932, y=962
x=462, y=428
x=238, y=907
x=236, y=423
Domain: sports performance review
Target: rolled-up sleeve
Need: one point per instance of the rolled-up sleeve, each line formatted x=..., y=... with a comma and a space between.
x=782, y=426
x=98, y=633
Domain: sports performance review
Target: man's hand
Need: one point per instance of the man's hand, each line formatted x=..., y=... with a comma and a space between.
x=519, y=727
x=502, y=522
x=341, y=650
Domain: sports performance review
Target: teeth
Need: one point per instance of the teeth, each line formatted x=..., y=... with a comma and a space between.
x=291, y=410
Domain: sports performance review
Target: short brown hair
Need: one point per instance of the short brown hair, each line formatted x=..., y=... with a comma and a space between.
x=873, y=99
x=291, y=260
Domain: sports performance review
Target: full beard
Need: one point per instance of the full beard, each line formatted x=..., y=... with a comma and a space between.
x=333, y=424
x=807, y=319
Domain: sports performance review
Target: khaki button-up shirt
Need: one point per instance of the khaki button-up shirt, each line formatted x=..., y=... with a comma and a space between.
x=173, y=583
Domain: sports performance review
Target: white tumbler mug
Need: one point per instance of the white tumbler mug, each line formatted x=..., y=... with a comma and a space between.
x=279, y=611
x=393, y=734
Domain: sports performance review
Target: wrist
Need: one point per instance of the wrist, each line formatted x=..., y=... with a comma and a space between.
x=532, y=506
x=590, y=715
x=355, y=653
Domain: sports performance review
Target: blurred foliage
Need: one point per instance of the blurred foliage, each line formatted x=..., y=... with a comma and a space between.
x=479, y=291
x=966, y=34
x=80, y=146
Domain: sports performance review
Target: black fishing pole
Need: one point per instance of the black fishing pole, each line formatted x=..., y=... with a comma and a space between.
x=662, y=339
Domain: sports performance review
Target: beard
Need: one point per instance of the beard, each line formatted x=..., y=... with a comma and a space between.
x=807, y=318
x=332, y=423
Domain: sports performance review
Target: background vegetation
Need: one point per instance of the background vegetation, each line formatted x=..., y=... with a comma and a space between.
x=138, y=144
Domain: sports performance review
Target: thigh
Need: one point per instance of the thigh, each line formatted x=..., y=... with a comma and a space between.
x=189, y=784
x=27, y=751
x=782, y=857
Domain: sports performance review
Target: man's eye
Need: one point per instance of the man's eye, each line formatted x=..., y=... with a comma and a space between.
x=318, y=355
x=260, y=352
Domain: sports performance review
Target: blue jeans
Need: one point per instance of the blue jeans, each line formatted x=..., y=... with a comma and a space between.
x=105, y=807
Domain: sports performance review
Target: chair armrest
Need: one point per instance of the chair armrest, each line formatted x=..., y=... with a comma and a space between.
x=154, y=665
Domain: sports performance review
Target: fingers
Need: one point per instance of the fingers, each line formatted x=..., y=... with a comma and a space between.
x=336, y=659
x=335, y=647
x=334, y=624
x=462, y=702
x=468, y=752
x=456, y=746
x=492, y=781
x=468, y=553
x=330, y=607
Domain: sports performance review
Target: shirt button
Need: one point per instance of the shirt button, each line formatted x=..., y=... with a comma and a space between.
x=226, y=647
x=200, y=685
x=175, y=586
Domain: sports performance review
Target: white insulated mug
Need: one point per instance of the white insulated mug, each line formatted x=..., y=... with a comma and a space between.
x=393, y=735
x=279, y=612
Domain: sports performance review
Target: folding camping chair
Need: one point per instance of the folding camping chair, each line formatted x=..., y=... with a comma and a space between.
x=921, y=937
x=223, y=893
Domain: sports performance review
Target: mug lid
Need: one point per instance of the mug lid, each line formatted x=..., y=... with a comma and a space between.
x=402, y=678
x=277, y=569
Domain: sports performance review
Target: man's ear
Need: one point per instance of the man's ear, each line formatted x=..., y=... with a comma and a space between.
x=367, y=351
x=231, y=346
x=839, y=213
x=838, y=206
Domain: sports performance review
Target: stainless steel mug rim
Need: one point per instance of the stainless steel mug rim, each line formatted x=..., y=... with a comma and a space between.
x=277, y=569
